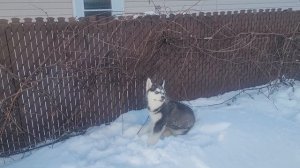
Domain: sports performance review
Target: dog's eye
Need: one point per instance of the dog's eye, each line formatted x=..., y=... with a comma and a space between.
x=156, y=92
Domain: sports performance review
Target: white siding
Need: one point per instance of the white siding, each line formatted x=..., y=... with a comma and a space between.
x=35, y=8
x=65, y=8
x=194, y=6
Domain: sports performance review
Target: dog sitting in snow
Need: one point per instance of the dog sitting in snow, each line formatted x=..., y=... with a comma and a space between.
x=167, y=117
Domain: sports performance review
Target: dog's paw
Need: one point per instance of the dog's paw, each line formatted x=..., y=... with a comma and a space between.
x=144, y=130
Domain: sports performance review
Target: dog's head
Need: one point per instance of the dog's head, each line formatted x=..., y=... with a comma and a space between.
x=155, y=92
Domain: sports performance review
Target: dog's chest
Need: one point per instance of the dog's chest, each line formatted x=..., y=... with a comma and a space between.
x=155, y=116
x=154, y=105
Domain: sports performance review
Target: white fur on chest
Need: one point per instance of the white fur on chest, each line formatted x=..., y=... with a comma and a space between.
x=154, y=116
x=154, y=105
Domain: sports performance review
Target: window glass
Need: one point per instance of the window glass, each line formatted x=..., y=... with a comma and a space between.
x=97, y=4
x=99, y=13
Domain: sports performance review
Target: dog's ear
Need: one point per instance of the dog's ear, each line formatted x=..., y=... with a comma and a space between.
x=148, y=84
x=163, y=84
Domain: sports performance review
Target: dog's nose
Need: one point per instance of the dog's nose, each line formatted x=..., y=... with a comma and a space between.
x=163, y=97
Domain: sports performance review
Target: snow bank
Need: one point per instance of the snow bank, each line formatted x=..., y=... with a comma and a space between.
x=257, y=131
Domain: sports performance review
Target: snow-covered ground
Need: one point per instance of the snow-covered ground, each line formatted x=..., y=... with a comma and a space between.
x=253, y=130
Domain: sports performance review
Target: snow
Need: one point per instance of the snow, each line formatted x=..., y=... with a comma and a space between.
x=254, y=130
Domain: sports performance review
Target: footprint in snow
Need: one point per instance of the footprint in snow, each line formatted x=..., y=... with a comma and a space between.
x=214, y=128
x=210, y=133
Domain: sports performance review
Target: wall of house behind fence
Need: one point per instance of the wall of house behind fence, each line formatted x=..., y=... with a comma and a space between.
x=58, y=77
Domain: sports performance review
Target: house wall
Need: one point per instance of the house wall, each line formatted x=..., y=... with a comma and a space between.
x=66, y=8
x=35, y=8
x=194, y=6
x=140, y=6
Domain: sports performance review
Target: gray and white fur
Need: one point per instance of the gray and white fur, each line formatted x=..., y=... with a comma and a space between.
x=167, y=117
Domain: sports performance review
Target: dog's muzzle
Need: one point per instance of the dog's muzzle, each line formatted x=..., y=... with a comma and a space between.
x=162, y=98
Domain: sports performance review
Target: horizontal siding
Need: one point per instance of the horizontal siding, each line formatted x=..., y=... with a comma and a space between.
x=35, y=8
x=64, y=8
x=34, y=1
x=177, y=6
x=144, y=6
x=37, y=13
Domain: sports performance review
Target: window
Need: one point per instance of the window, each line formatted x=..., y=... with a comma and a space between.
x=97, y=7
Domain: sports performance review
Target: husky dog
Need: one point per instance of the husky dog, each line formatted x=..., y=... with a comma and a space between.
x=167, y=117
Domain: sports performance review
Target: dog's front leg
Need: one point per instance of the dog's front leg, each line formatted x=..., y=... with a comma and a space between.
x=158, y=128
x=145, y=129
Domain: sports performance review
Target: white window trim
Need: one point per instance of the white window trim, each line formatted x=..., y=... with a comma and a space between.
x=117, y=8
